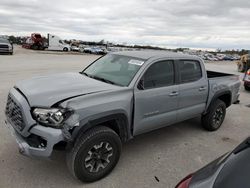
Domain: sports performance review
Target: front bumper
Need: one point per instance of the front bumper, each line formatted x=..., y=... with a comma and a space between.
x=34, y=140
x=6, y=50
x=50, y=135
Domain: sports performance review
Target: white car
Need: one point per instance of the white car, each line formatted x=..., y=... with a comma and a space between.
x=75, y=48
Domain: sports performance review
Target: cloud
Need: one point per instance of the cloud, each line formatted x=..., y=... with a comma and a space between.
x=171, y=23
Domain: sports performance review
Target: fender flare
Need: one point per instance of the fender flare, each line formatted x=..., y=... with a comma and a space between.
x=216, y=96
x=119, y=116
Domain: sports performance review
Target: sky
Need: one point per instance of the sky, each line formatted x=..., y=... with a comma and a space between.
x=200, y=24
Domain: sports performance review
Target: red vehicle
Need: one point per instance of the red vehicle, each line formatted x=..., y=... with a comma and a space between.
x=35, y=42
x=247, y=80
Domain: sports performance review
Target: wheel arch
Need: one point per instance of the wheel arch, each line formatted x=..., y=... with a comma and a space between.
x=225, y=96
x=118, y=122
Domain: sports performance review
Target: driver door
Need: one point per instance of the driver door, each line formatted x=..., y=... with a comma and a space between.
x=156, y=97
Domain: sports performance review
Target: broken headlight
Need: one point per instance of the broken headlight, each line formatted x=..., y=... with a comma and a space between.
x=53, y=117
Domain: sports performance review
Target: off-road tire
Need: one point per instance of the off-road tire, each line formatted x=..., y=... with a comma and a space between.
x=208, y=120
x=76, y=156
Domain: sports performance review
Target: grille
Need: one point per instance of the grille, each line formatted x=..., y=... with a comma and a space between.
x=14, y=113
x=4, y=46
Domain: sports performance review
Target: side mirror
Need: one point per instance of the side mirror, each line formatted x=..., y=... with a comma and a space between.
x=140, y=85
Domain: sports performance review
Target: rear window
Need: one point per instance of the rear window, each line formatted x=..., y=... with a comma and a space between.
x=189, y=71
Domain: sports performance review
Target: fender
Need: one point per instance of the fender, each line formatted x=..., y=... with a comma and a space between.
x=216, y=96
x=120, y=116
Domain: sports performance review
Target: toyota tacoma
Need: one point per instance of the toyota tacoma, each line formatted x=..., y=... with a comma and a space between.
x=117, y=97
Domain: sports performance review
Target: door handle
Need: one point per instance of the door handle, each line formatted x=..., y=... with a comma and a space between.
x=202, y=88
x=174, y=93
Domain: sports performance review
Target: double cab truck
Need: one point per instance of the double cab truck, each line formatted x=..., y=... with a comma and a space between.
x=117, y=97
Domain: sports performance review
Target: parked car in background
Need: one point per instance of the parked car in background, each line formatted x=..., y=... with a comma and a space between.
x=236, y=57
x=75, y=48
x=247, y=80
x=117, y=97
x=95, y=50
x=228, y=171
x=211, y=57
x=220, y=57
x=81, y=48
x=5, y=46
x=100, y=51
x=86, y=49
x=228, y=58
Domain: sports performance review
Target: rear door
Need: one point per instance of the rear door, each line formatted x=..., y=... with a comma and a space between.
x=193, y=89
x=156, y=97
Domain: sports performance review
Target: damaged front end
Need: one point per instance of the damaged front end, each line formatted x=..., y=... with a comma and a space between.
x=38, y=130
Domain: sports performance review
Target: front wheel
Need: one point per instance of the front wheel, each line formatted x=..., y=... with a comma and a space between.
x=95, y=154
x=65, y=49
x=214, y=118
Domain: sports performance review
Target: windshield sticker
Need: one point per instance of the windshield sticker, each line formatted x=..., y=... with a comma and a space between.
x=136, y=62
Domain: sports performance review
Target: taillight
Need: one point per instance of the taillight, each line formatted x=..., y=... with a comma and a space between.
x=248, y=72
x=247, y=76
x=185, y=182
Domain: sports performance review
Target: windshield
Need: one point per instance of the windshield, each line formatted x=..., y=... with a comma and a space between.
x=4, y=40
x=116, y=69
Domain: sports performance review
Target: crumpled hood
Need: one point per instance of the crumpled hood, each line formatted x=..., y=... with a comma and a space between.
x=48, y=90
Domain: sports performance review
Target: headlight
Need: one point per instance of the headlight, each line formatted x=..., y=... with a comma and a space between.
x=52, y=117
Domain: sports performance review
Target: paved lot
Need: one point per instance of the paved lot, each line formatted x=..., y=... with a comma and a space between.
x=169, y=153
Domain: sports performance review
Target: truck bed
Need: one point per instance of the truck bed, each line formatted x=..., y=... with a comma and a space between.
x=220, y=82
x=213, y=74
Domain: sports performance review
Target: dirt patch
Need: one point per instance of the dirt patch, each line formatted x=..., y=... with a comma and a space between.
x=225, y=139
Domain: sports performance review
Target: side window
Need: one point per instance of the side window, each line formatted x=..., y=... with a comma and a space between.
x=159, y=74
x=189, y=71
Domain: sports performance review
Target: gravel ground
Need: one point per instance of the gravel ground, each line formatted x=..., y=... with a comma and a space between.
x=156, y=159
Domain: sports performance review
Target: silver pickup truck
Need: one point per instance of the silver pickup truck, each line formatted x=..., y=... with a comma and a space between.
x=119, y=96
x=6, y=46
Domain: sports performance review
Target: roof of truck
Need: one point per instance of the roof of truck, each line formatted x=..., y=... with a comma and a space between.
x=146, y=54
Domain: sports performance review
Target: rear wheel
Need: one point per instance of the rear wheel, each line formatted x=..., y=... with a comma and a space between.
x=214, y=118
x=95, y=154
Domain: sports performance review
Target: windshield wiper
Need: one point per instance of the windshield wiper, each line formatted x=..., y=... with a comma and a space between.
x=84, y=73
x=99, y=78
x=103, y=79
